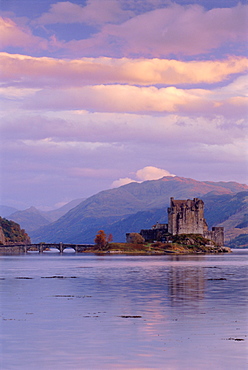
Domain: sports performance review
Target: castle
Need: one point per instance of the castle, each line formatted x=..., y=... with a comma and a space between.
x=184, y=217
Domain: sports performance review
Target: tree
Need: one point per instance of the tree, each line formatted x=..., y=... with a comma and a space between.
x=101, y=239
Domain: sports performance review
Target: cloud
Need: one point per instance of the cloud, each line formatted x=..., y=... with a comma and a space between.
x=75, y=130
x=12, y=35
x=124, y=85
x=119, y=98
x=152, y=173
x=139, y=100
x=144, y=174
x=180, y=30
x=122, y=181
x=40, y=72
x=238, y=87
x=96, y=12
x=176, y=29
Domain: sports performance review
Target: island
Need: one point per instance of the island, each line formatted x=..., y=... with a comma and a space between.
x=185, y=244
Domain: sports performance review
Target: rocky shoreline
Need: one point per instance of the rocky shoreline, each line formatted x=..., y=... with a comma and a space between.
x=10, y=250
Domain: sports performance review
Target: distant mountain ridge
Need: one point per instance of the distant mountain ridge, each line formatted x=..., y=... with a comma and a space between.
x=5, y=211
x=31, y=219
x=55, y=214
x=114, y=208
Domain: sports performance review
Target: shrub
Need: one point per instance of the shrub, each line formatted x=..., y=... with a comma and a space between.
x=136, y=238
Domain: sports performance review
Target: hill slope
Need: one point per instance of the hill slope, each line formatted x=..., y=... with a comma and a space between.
x=113, y=206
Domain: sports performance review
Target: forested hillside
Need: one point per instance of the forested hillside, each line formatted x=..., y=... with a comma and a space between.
x=11, y=232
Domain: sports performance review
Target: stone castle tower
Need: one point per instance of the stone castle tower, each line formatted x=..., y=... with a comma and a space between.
x=187, y=217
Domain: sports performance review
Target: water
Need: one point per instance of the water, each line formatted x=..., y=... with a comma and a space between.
x=123, y=312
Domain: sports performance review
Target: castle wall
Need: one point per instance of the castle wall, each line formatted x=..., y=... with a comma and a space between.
x=149, y=234
x=156, y=233
x=216, y=235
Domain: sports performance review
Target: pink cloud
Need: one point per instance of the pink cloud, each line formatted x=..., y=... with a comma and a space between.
x=18, y=36
x=56, y=72
x=94, y=12
x=176, y=29
x=133, y=99
x=120, y=98
x=94, y=84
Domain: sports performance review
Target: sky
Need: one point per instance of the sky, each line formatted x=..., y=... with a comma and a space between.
x=98, y=93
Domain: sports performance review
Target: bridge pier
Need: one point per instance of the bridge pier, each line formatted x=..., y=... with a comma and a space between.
x=40, y=248
x=61, y=249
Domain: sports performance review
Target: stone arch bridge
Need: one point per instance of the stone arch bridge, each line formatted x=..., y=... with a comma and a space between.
x=40, y=247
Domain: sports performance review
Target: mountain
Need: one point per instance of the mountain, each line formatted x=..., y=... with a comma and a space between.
x=237, y=223
x=230, y=211
x=59, y=212
x=241, y=241
x=5, y=211
x=115, y=209
x=31, y=219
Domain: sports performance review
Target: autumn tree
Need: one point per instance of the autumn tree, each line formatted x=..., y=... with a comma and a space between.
x=103, y=239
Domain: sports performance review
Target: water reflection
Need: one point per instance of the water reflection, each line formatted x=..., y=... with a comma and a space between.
x=186, y=284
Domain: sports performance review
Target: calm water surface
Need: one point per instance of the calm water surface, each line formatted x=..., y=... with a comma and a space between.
x=123, y=312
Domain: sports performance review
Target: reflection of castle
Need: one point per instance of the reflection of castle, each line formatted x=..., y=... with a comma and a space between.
x=184, y=217
x=186, y=283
